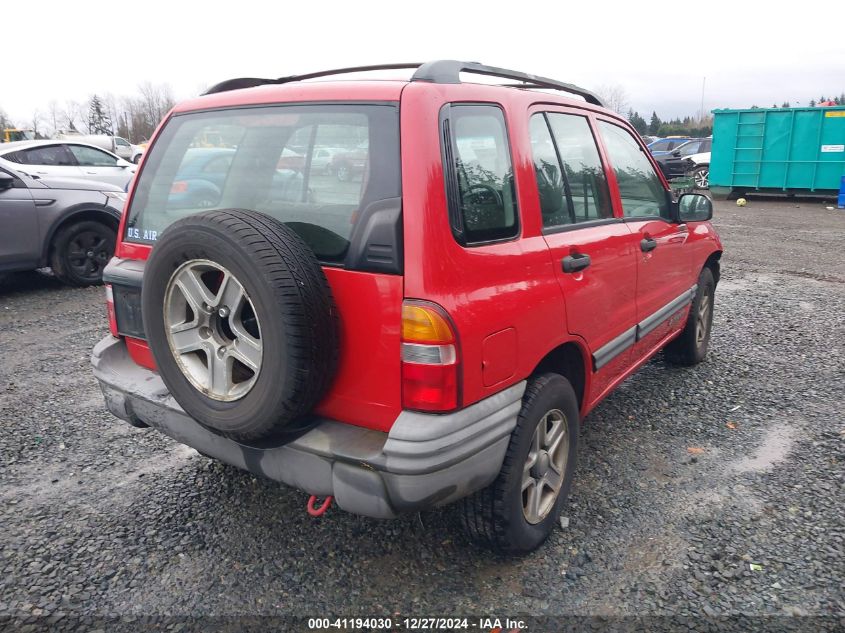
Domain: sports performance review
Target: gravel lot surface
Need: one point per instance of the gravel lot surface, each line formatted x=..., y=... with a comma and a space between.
x=700, y=492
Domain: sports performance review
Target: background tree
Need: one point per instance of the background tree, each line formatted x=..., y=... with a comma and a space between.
x=98, y=120
x=654, y=125
x=812, y=103
x=614, y=97
x=5, y=121
x=638, y=123
x=72, y=119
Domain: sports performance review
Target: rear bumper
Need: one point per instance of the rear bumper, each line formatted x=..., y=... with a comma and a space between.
x=423, y=462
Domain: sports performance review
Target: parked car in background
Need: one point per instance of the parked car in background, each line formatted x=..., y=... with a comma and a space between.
x=664, y=145
x=203, y=172
x=648, y=139
x=67, y=224
x=67, y=160
x=699, y=166
x=10, y=135
x=432, y=333
x=346, y=165
x=673, y=164
x=200, y=177
x=115, y=144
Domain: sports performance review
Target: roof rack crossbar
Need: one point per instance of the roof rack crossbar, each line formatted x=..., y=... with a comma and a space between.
x=444, y=71
x=448, y=71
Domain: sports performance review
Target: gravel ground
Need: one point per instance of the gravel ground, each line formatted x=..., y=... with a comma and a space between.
x=700, y=492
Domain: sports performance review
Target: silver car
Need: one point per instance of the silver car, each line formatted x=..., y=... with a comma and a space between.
x=66, y=159
x=67, y=224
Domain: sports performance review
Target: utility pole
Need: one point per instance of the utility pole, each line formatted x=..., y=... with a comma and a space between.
x=703, y=83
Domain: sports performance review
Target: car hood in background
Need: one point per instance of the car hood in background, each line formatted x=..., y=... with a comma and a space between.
x=699, y=159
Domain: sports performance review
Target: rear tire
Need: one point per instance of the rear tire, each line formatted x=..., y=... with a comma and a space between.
x=500, y=515
x=690, y=347
x=81, y=251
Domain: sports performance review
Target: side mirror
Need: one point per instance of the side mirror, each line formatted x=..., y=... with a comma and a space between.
x=694, y=207
x=123, y=163
x=6, y=181
x=676, y=153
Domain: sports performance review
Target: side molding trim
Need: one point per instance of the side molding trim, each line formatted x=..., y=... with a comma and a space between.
x=607, y=352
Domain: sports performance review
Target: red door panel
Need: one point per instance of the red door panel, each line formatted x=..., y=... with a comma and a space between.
x=663, y=271
x=601, y=299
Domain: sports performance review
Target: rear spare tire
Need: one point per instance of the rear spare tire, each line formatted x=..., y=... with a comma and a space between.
x=240, y=320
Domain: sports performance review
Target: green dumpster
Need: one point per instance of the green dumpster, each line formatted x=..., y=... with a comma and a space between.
x=778, y=150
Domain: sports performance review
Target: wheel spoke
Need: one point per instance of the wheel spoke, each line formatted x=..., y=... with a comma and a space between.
x=230, y=294
x=526, y=469
x=553, y=478
x=185, y=337
x=532, y=505
x=539, y=436
x=221, y=373
x=193, y=289
x=555, y=434
x=248, y=351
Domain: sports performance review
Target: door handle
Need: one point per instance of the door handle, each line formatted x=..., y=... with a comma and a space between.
x=648, y=244
x=574, y=263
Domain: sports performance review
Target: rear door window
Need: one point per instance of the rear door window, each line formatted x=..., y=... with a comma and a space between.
x=479, y=174
x=317, y=168
x=49, y=155
x=582, y=167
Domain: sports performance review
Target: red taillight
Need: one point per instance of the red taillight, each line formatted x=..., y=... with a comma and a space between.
x=429, y=359
x=110, y=309
x=180, y=186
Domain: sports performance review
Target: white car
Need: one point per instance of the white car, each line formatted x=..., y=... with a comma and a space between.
x=699, y=165
x=66, y=159
x=114, y=144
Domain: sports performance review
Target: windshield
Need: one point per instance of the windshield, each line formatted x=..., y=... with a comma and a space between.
x=314, y=167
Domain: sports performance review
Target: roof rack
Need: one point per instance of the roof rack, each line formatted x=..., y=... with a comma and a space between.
x=444, y=71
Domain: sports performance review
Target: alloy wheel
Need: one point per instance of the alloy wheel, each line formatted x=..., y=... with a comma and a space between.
x=545, y=467
x=212, y=330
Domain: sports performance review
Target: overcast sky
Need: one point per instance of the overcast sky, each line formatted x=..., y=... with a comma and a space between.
x=750, y=52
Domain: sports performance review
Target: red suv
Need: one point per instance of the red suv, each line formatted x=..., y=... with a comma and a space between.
x=431, y=330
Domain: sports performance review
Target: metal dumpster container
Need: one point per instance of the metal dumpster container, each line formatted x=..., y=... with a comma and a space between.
x=778, y=150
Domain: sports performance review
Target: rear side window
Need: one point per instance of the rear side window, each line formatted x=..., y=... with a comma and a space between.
x=640, y=188
x=317, y=168
x=479, y=174
x=586, y=185
x=52, y=155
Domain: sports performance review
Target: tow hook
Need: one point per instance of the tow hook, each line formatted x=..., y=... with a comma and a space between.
x=318, y=512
